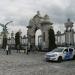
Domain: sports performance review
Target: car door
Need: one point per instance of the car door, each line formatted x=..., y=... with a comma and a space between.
x=70, y=53
x=66, y=54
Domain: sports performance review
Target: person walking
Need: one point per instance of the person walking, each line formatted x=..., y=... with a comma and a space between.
x=7, y=49
x=26, y=50
x=18, y=48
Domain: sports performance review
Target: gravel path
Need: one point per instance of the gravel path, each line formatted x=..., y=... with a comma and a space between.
x=33, y=64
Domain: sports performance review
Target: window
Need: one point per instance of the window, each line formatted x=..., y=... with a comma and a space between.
x=58, y=50
x=66, y=50
x=70, y=50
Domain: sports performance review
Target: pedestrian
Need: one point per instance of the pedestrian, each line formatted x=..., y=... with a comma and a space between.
x=7, y=49
x=18, y=48
x=26, y=50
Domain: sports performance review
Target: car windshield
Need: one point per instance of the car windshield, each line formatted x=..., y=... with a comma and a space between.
x=58, y=50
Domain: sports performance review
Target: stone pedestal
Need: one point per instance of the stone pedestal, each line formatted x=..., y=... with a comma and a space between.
x=69, y=37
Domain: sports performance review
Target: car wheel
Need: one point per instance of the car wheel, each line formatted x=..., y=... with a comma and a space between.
x=60, y=59
x=47, y=60
x=74, y=57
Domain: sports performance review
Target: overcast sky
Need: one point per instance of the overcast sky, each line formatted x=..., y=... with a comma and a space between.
x=20, y=11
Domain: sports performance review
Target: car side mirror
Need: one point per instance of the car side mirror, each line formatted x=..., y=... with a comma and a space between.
x=64, y=52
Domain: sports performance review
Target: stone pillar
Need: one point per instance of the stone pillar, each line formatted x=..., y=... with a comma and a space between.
x=29, y=34
x=45, y=40
x=69, y=36
x=33, y=40
x=45, y=26
x=31, y=37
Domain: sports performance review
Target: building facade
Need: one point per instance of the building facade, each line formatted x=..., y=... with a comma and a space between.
x=68, y=37
x=11, y=40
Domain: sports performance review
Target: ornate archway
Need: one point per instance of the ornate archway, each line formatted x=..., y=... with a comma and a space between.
x=42, y=23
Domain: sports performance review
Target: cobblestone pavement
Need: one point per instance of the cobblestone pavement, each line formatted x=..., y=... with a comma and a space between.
x=33, y=64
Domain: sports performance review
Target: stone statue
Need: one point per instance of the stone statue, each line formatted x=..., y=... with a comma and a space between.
x=5, y=26
x=38, y=13
x=68, y=24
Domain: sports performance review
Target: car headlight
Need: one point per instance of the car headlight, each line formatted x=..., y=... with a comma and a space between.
x=53, y=55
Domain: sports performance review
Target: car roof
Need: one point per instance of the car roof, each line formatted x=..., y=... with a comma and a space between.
x=62, y=47
x=65, y=47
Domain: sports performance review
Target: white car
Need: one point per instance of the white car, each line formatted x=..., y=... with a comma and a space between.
x=61, y=53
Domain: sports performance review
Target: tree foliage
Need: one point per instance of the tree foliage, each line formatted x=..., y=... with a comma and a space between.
x=52, y=44
x=4, y=42
x=17, y=39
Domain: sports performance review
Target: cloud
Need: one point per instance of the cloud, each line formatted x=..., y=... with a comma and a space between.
x=21, y=11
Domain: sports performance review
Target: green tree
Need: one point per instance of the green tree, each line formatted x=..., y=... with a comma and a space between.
x=17, y=39
x=4, y=42
x=52, y=44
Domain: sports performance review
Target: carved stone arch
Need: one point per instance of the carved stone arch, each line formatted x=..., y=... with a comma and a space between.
x=42, y=23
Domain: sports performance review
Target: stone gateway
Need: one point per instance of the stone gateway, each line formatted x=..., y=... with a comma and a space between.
x=42, y=23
